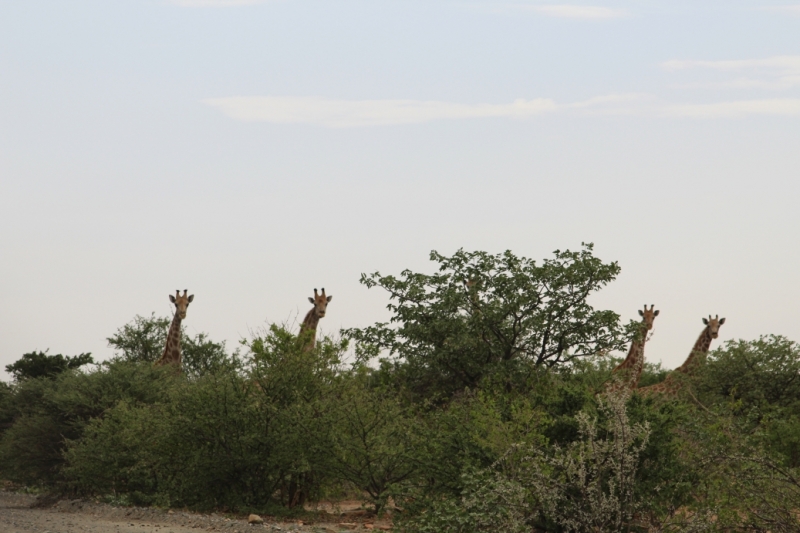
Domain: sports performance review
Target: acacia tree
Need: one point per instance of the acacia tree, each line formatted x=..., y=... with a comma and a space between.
x=484, y=315
x=41, y=365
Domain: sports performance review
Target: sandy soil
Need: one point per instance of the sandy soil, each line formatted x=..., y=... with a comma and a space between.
x=21, y=513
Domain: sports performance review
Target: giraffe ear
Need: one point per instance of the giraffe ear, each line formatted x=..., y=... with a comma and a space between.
x=721, y=321
x=310, y=299
x=331, y=298
x=705, y=321
x=171, y=298
x=656, y=313
x=641, y=313
x=191, y=297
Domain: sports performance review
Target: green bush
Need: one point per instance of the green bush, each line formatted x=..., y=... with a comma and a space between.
x=142, y=340
x=490, y=317
x=46, y=413
x=760, y=381
x=371, y=435
x=41, y=365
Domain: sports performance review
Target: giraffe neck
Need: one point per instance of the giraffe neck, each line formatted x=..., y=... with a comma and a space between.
x=172, y=351
x=698, y=352
x=634, y=362
x=671, y=386
x=309, y=327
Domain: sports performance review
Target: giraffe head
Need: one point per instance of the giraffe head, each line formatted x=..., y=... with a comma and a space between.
x=648, y=315
x=713, y=324
x=320, y=302
x=181, y=302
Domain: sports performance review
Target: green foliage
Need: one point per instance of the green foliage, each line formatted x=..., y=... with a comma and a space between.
x=495, y=317
x=41, y=365
x=742, y=487
x=486, y=414
x=764, y=373
x=143, y=340
x=46, y=413
x=490, y=502
x=118, y=455
x=371, y=439
x=760, y=381
x=589, y=485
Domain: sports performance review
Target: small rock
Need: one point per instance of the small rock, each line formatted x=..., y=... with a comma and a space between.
x=255, y=519
x=348, y=525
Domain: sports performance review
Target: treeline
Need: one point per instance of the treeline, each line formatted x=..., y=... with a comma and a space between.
x=480, y=407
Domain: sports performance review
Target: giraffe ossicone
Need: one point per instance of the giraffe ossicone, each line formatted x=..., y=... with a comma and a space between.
x=172, y=350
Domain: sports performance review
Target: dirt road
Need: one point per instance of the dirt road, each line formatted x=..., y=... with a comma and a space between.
x=17, y=516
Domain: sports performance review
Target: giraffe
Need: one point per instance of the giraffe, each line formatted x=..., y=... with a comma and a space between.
x=308, y=329
x=629, y=371
x=674, y=382
x=172, y=350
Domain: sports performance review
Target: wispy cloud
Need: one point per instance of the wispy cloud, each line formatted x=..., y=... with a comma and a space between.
x=778, y=72
x=614, y=104
x=360, y=113
x=215, y=3
x=775, y=62
x=736, y=109
x=351, y=113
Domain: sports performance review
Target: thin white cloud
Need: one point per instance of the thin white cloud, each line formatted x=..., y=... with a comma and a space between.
x=776, y=62
x=360, y=113
x=614, y=104
x=353, y=113
x=775, y=73
x=215, y=3
x=736, y=109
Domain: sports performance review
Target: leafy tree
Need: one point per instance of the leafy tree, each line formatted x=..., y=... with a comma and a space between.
x=290, y=384
x=47, y=413
x=143, y=340
x=40, y=364
x=486, y=316
x=761, y=373
x=371, y=433
x=586, y=486
x=760, y=381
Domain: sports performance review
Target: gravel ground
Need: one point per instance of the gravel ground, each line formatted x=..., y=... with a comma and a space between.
x=19, y=513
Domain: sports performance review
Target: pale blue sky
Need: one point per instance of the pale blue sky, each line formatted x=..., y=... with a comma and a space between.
x=253, y=152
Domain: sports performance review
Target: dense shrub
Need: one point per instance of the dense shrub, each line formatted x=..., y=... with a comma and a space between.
x=41, y=365
x=486, y=412
x=760, y=381
x=47, y=413
x=490, y=317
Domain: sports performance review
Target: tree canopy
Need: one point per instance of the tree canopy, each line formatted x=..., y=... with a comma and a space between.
x=483, y=316
x=40, y=364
